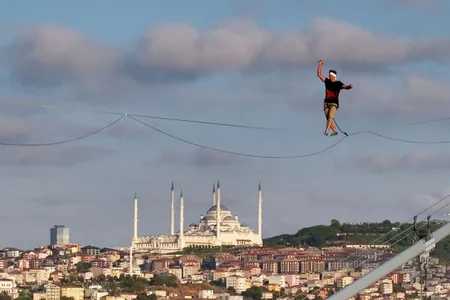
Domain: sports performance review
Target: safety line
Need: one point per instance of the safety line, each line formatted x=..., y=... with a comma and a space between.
x=402, y=140
x=154, y=117
x=268, y=156
x=398, y=139
x=233, y=152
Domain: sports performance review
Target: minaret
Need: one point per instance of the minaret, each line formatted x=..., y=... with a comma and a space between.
x=218, y=212
x=181, y=236
x=135, y=233
x=172, y=211
x=131, y=260
x=259, y=211
x=214, y=195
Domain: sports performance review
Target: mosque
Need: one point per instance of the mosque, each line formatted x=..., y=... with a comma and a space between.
x=208, y=233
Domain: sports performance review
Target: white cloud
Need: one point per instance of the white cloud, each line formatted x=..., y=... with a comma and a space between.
x=241, y=45
x=415, y=95
x=51, y=55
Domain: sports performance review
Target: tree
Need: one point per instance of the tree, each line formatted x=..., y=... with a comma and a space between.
x=100, y=278
x=133, y=284
x=254, y=292
x=335, y=224
x=70, y=279
x=112, y=288
x=5, y=296
x=168, y=280
x=83, y=267
x=387, y=224
x=144, y=296
x=25, y=295
x=220, y=282
x=398, y=288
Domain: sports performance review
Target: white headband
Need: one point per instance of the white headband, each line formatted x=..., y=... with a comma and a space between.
x=333, y=74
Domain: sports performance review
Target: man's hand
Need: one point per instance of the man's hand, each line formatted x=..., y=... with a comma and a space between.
x=319, y=71
x=350, y=86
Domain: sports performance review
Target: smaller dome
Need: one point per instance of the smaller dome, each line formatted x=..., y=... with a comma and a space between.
x=229, y=218
x=208, y=218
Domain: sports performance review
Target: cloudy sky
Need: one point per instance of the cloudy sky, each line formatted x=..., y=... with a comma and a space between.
x=245, y=62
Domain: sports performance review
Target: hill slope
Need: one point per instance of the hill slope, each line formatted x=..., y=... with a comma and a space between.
x=398, y=236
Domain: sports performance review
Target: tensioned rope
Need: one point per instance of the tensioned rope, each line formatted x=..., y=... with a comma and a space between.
x=135, y=118
x=63, y=141
x=280, y=157
x=232, y=152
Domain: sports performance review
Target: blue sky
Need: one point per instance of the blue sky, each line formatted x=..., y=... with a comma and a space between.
x=246, y=62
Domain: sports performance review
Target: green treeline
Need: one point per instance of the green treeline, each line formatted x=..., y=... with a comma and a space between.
x=399, y=236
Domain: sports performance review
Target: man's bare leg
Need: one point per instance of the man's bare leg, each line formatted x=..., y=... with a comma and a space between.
x=329, y=123
x=333, y=127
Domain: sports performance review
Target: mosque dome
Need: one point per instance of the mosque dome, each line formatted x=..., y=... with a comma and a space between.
x=214, y=208
x=229, y=218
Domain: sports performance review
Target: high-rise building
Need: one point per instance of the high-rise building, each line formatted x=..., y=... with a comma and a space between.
x=59, y=235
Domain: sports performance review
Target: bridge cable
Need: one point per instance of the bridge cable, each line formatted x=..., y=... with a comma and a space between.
x=384, y=235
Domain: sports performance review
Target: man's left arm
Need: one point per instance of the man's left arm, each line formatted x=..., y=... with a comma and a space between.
x=347, y=87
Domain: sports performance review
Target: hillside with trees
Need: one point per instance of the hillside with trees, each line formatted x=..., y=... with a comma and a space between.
x=398, y=236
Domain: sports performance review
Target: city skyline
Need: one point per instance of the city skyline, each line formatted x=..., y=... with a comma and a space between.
x=252, y=63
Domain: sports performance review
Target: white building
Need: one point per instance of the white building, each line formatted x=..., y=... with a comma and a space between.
x=292, y=279
x=278, y=280
x=239, y=283
x=209, y=232
x=52, y=291
x=9, y=286
x=12, y=252
x=206, y=294
x=386, y=287
x=344, y=281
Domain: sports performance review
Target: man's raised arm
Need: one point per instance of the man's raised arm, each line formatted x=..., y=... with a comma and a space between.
x=319, y=70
